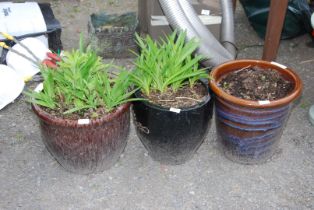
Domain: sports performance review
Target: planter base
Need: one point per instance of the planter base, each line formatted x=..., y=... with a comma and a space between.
x=252, y=159
x=249, y=136
x=249, y=160
x=169, y=151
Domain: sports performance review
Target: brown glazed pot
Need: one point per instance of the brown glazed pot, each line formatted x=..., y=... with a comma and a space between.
x=250, y=130
x=86, y=148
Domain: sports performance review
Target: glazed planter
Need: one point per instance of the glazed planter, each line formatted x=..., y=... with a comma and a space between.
x=249, y=131
x=85, y=146
x=172, y=137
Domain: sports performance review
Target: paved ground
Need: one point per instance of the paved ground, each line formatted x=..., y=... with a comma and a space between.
x=31, y=179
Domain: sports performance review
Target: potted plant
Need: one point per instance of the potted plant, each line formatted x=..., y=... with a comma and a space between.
x=83, y=111
x=174, y=119
x=252, y=103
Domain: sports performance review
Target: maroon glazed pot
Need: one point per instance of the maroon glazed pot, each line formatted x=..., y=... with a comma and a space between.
x=249, y=131
x=85, y=146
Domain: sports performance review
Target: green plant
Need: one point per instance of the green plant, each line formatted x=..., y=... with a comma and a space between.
x=82, y=83
x=168, y=64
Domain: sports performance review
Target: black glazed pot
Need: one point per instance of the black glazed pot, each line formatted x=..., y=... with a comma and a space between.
x=170, y=137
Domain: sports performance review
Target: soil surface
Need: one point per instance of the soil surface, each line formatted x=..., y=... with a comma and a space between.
x=255, y=83
x=183, y=98
x=86, y=114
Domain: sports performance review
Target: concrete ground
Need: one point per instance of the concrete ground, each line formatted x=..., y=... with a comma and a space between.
x=30, y=178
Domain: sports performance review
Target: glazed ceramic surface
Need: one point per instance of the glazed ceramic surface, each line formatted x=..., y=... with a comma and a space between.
x=249, y=131
x=86, y=146
x=170, y=137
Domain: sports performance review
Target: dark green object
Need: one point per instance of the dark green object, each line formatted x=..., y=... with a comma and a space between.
x=297, y=20
x=124, y=22
x=112, y=36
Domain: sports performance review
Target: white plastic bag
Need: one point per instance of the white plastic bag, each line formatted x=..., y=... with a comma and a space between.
x=11, y=85
x=23, y=67
x=19, y=19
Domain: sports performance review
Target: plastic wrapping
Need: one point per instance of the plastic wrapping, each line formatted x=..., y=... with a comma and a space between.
x=22, y=66
x=9, y=90
x=297, y=20
x=22, y=20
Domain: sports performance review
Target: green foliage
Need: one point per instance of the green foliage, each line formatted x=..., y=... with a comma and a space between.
x=82, y=82
x=168, y=64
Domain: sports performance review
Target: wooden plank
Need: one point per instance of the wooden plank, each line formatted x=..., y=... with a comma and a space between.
x=275, y=22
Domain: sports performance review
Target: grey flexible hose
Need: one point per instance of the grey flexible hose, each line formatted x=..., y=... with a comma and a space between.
x=201, y=30
x=178, y=20
x=182, y=16
x=227, y=26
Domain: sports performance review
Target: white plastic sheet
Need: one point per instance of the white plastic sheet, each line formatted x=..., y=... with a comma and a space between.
x=11, y=85
x=23, y=67
x=21, y=18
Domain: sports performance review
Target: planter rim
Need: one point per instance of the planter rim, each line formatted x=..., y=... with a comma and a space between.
x=167, y=109
x=228, y=67
x=51, y=119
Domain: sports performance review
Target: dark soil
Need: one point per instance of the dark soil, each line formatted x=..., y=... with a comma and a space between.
x=255, y=83
x=86, y=114
x=183, y=98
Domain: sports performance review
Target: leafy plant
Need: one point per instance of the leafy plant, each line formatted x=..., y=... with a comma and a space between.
x=82, y=83
x=168, y=64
